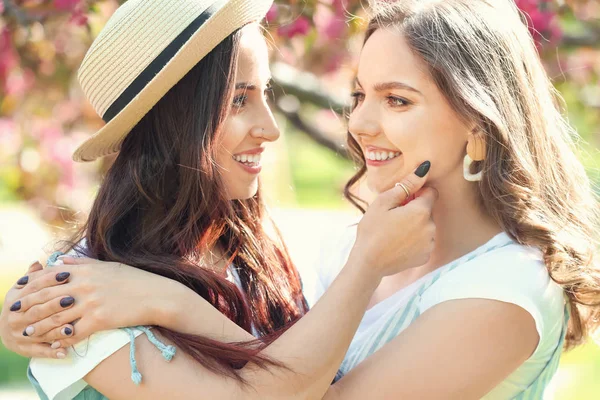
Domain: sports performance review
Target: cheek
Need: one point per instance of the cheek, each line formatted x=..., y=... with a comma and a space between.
x=423, y=136
x=412, y=134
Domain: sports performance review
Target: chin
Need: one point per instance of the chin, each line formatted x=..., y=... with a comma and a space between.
x=244, y=193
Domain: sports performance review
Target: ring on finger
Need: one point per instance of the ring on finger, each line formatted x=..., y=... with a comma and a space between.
x=403, y=186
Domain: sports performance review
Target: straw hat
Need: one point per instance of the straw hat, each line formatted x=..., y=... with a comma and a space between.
x=145, y=48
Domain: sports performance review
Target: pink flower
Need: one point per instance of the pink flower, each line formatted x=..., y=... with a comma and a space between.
x=272, y=14
x=542, y=21
x=8, y=55
x=78, y=18
x=300, y=26
x=329, y=24
x=340, y=6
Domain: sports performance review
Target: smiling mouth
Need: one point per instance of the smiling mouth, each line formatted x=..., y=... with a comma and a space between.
x=248, y=160
x=382, y=155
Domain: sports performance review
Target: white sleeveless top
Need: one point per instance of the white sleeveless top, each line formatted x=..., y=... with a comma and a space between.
x=509, y=273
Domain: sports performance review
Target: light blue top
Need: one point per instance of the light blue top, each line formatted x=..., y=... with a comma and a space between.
x=501, y=270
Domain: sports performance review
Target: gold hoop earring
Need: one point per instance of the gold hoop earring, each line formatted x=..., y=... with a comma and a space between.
x=476, y=149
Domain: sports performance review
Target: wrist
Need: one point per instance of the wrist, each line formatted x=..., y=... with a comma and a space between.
x=363, y=269
x=167, y=309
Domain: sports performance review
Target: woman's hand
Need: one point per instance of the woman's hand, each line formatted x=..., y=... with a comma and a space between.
x=38, y=318
x=392, y=237
x=12, y=329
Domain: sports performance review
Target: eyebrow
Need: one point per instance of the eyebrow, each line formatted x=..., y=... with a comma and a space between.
x=248, y=85
x=245, y=86
x=381, y=87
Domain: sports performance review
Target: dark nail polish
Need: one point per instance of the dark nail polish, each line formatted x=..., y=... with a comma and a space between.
x=16, y=306
x=63, y=276
x=23, y=281
x=66, y=302
x=25, y=333
x=68, y=331
x=423, y=169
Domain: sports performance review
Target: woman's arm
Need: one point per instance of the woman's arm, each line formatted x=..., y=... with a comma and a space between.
x=314, y=347
x=459, y=349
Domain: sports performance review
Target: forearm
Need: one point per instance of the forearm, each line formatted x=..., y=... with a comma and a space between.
x=183, y=310
x=314, y=347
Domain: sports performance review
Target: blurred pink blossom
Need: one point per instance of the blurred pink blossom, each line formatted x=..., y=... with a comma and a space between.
x=272, y=14
x=300, y=26
x=328, y=23
x=8, y=55
x=67, y=111
x=66, y=4
x=19, y=82
x=78, y=18
x=542, y=21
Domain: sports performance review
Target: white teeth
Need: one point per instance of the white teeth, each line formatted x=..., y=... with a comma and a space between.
x=248, y=158
x=381, y=156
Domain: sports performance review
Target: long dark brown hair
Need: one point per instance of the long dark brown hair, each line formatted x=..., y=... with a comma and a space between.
x=162, y=205
x=483, y=59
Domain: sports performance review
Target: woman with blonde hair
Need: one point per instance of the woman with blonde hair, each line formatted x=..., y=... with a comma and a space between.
x=512, y=279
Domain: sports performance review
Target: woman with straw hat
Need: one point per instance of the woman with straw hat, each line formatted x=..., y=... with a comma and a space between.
x=181, y=85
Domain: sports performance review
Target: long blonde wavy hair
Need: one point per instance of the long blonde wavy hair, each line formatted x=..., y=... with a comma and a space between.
x=482, y=57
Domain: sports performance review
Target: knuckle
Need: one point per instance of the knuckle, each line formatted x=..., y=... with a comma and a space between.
x=57, y=319
x=410, y=185
x=35, y=313
x=44, y=295
x=100, y=317
x=92, y=302
x=86, y=286
x=13, y=322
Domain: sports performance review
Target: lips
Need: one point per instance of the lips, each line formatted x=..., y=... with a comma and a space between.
x=377, y=156
x=250, y=160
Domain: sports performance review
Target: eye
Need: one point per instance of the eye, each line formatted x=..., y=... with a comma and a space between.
x=357, y=97
x=269, y=92
x=397, y=101
x=239, y=101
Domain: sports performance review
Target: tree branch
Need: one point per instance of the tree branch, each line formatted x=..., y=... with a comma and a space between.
x=305, y=86
x=314, y=133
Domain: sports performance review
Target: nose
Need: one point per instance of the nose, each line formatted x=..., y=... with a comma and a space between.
x=266, y=127
x=363, y=121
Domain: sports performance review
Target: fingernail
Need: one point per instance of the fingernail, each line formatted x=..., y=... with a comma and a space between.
x=29, y=330
x=66, y=302
x=423, y=169
x=63, y=276
x=25, y=333
x=55, y=345
x=16, y=306
x=61, y=355
x=67, y=331
x=23, y=281
x=62, y=257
